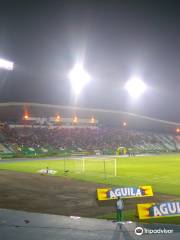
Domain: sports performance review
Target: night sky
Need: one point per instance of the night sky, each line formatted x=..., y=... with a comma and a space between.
x=116, y=39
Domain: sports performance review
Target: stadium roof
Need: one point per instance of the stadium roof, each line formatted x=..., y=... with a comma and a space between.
x=13, y=111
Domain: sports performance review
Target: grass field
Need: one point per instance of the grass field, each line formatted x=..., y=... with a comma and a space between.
x=161, y=172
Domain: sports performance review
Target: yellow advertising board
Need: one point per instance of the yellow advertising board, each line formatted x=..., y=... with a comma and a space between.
x=124, y=192
x=157, y=210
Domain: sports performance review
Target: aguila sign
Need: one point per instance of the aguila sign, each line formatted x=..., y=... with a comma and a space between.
x=124, y=192
x=155, y=210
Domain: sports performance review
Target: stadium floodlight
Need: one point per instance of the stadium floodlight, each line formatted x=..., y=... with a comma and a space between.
x=75, y=119
x=26, y=117
x=58, y=118
x=135, y=87
x=79, y=78
x=178, y=130
x=92, y=120
x=124, y=124
x=6, y=64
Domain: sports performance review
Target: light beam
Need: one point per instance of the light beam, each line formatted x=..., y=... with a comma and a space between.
x=135, y=87
x=79, y=78
x=7, y=65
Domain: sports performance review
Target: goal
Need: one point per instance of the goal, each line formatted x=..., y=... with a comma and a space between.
x=106, y=166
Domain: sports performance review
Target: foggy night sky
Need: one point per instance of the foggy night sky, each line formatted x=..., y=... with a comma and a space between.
x=116, y=39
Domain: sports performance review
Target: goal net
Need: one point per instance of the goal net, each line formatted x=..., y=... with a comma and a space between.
x=105, y=166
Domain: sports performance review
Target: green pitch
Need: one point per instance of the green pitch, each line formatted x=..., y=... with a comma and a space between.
x=161, y=172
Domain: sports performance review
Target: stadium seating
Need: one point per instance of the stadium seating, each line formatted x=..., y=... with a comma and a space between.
x=177, y=142
x=38, y=140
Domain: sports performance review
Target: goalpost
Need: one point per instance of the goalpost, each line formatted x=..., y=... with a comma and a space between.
x=115, y=167
x=103, y=165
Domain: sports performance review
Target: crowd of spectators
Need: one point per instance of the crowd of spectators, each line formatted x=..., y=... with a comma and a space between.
x=88, y=138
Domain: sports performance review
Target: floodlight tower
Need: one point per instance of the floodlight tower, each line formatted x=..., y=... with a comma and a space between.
x=79, y=78
x=7, y=65
x=135, y=87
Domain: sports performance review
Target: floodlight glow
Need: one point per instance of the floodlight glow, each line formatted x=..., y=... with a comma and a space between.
x=79, y=78
x=6, y=64
x=124, y=124
x=26, y=117
x=178, y=130
x=92, y=120
x=135, y=87
x=75, y=119
x=58, y=118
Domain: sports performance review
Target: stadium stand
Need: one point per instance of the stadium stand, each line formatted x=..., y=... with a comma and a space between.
x=177, y=142
x=45, y=132
x=37, y=140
